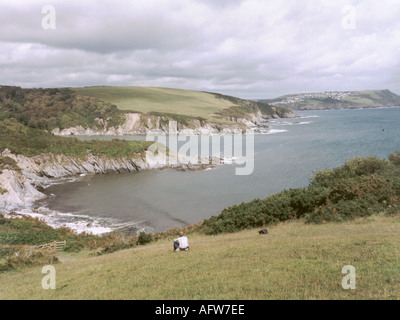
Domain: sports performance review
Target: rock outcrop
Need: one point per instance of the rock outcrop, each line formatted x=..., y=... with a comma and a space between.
x=139, y=124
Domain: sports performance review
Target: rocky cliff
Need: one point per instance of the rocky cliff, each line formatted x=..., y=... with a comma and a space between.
x=137, y=124
x=67, y=112
x=23, y=183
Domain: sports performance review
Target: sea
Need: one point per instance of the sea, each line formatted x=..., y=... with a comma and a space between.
x=286, y=156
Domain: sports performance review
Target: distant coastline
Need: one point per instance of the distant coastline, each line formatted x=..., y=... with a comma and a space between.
x=337, y=100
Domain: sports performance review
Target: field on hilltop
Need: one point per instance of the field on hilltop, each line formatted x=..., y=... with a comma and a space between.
x=293, y=261
x=160, y=100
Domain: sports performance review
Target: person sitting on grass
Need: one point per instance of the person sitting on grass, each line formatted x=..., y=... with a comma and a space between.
x=181, y=243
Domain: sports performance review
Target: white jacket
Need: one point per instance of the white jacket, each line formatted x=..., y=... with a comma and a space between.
x=183, y=242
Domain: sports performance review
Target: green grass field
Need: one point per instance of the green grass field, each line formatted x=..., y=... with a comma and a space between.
x=162, y=100
x=294, y=261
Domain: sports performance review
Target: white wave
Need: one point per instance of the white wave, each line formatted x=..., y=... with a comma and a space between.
x=311, y=116
x=77, y=223
x=274, y=131
x=232, y=160
x=305, y=122
x=285, y=123
x=229, y=160
x=288, y=123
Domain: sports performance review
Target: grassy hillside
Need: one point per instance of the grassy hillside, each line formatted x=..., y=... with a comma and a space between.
x=337, y=100
x=294, y=261
x=349, y=215
x=162, y=100
x=205, y=105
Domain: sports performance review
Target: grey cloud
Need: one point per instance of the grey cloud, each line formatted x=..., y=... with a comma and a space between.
x=102, y=29
x=251, y=48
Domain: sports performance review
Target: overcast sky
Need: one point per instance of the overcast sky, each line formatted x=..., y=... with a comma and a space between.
x=246, y=48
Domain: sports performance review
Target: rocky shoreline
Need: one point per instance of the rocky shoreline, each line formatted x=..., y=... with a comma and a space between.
x=140, y=124
x=23, y=184
x=20, y=188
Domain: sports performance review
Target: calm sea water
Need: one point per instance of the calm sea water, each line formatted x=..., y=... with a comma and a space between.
x=285, y=159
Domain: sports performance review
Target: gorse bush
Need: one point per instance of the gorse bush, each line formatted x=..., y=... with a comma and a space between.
x=360, y=187
x=144, y=238
x=351, y=169
x=395, y=158
x=14, y=257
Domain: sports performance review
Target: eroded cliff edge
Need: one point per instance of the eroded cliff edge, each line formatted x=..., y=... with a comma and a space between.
x=141, y=124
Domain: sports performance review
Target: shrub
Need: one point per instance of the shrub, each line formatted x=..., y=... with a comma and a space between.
x=360, y=187
x=55, y=108
x=8, y=163
x=395, y=158
x=14, y=257
x=144, y=238
x=115, y=247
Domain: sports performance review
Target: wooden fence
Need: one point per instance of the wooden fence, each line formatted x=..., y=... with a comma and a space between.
x=52, y=247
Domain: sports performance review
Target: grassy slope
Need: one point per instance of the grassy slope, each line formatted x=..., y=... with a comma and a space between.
x=162, y=100
x=294, y=261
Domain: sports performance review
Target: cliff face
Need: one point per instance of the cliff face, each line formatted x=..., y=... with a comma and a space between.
x=17, y=191
x=137, y=123
x=20, y=188
x=68, y=112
